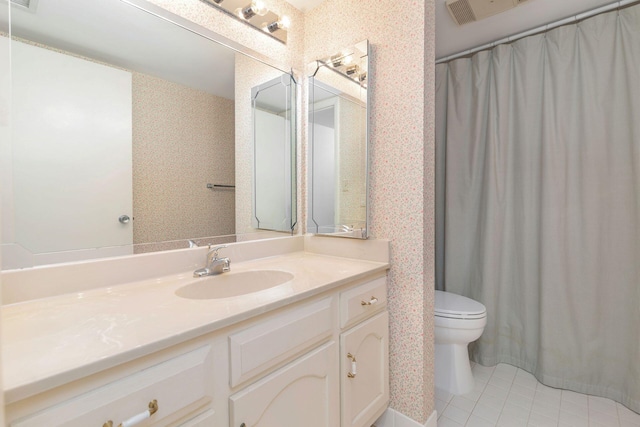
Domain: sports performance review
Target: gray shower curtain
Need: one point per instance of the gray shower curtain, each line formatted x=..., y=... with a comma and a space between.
x=538, y=201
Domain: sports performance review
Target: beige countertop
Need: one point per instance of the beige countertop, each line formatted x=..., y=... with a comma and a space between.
x=50, y=341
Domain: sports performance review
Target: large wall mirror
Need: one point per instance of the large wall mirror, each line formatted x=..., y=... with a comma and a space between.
x=131, y=134
x=338, y=135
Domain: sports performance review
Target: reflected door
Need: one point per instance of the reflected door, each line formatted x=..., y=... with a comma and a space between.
x=71, y=145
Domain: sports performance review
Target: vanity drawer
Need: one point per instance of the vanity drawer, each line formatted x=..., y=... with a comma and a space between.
x=362, y=301
x=279, y=339
x=180, y=385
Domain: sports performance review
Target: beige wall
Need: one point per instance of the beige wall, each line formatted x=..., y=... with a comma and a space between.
x=183, y=138
x=401, y=169
x=402, y=152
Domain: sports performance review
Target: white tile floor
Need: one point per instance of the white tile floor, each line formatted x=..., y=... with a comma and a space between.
x=506, y=396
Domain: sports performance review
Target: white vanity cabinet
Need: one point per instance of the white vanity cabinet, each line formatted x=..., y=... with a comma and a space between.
x=307, y=391
x=364, y=358
x=303, y=393
x=284, y=367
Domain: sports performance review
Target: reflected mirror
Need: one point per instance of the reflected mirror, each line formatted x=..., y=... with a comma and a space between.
x=338, y=134
x=273, y=164
x=132, y=134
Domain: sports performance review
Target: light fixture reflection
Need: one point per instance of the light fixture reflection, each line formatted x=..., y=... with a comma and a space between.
x=336, y=61
x=352, y=69
x=256, y=14
x=282, y=24
x=256, y=7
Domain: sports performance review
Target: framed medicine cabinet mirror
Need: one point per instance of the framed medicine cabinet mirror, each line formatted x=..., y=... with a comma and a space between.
x=338, y=150
x=133, y=131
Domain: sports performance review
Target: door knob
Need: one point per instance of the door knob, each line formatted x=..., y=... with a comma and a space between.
x=124, y=219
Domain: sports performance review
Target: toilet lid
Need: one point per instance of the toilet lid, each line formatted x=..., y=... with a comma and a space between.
x=456, y=306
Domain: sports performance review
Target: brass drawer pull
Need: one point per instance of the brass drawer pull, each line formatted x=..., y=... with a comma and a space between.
x=353, y=372
x=372, y=301
x=153, y=408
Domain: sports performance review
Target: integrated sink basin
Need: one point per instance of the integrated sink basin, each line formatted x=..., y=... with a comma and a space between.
x=227, y=285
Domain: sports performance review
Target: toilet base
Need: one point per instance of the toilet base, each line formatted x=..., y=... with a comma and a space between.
x=452, y=368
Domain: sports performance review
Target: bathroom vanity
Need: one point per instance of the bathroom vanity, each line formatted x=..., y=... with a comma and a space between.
x=299, y=339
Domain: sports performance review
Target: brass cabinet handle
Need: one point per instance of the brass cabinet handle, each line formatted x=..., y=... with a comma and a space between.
x=353, y=372
x=372, y=301
x=153, y=408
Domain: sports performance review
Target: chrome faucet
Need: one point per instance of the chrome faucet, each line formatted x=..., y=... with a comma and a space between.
x=214, y=264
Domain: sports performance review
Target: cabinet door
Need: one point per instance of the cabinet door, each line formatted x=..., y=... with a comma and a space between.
x=365, y=392
x=302, y=393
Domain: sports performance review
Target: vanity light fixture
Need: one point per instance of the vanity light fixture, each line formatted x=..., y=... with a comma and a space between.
x=256, y=7
x=340, y=59
x=282, y=24
x=255, y=14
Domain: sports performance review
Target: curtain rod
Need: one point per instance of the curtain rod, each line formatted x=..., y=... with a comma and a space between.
x=542, y=28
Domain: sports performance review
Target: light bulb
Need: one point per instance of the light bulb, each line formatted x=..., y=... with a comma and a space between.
x=284, y=22
x=256, y=7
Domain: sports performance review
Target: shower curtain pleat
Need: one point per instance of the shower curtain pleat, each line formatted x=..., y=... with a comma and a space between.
x=538, y=192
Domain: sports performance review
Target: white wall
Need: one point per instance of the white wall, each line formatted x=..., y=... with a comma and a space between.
x=273, y=183
x=324, y=171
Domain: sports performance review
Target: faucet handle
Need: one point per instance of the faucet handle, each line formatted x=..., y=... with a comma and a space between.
x=215, y=250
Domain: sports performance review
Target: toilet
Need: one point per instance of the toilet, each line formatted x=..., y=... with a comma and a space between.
x=458, y=321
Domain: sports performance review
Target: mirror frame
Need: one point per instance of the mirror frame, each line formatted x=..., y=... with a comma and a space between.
x=313, y=69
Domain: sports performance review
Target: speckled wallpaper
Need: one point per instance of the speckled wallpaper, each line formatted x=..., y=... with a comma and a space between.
x=183, y=139
x=401, y=35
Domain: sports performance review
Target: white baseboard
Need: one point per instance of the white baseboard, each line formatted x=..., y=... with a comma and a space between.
x=433, y=420
x=393, y=418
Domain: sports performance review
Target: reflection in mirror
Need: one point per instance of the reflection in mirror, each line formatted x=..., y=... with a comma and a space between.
x=129, y=134
x=338, y=176
x=255, y=14
x=274, y=165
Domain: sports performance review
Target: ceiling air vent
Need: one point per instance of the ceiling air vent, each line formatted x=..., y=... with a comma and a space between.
x=465, y=11
x=461, y=11
x=29, y=5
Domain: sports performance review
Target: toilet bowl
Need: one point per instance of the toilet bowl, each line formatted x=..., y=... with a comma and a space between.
x=458, y=321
